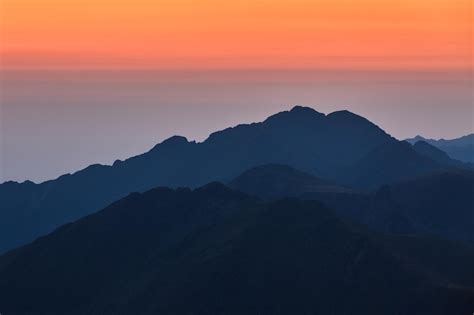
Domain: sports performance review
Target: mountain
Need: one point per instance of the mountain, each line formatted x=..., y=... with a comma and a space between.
x=461, y=149
x=432, y=152
x=340, y=147
x=213, y=250
x=272, y=181
x=440, y=204
x=389, y=163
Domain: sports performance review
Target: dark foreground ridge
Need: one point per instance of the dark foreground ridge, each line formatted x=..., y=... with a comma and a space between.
x=217, y=251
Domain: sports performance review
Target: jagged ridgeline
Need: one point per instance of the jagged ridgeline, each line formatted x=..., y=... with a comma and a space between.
x=341, y=148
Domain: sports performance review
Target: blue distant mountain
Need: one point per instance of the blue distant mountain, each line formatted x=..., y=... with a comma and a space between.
x=341, y=148
x=461, y=149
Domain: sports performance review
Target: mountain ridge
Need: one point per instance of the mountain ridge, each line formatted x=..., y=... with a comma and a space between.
x=337, y=147
x=224, y=252
x=439, y=203
x=461, y=148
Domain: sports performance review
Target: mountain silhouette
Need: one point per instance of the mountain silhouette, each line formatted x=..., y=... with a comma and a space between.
x=340, y=147
x=388, y=163
x=273, y=181
x=432, y=152
x=440, y=204
x=461, y=149
x=213, y=250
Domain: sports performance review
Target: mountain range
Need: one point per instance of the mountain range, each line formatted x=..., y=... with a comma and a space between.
x=341, y=148
x=303, y=213
x=439, y=204
x=461, y=149
x=214, y=250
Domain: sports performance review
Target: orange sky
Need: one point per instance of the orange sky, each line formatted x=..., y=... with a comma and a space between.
x=349, y=34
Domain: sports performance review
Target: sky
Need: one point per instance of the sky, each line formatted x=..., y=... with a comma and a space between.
x=367, y=34
x=91, y=81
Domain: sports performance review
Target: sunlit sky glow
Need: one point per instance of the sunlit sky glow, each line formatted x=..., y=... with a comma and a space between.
x=90, y=81
x=368, y=34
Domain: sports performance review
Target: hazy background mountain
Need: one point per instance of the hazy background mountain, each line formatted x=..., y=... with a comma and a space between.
x=223, y=252
x=461, y=149
x=98, y=116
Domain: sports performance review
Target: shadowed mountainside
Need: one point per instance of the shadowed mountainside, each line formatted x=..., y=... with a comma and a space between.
x=272, y=181
x=340, y=147
x=223, y=252
x=440, y=203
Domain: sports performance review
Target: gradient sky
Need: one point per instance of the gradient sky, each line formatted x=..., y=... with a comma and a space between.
x=237, y=33
x=85, y=81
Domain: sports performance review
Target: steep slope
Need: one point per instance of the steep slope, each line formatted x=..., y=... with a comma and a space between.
x=216, y=251
x=338, y=147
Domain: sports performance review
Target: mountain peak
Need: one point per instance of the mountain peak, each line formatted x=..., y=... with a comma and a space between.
x=172, y=142
x=416, y=139
x=298, y=112
x=175, y=139
x=345, y=115
x=303, y=110
x=419, y=137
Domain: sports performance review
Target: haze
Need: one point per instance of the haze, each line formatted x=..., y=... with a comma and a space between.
x=91, y=81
